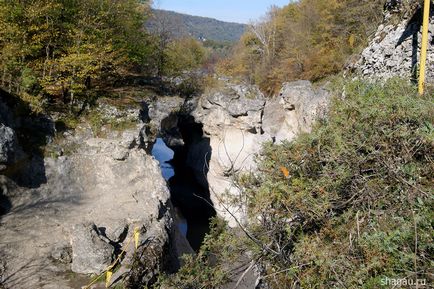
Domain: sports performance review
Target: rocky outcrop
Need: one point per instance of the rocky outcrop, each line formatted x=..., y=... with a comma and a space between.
x=294, y=110
x=163, y=119
x=90, y=253
x=8, y=145
x=95, y=191
x=395, y=49
x=237, y=120
x=95, y=194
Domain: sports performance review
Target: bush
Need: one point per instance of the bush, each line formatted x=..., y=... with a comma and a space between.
x=201, y=271
x=345, y=203
x=349, y=204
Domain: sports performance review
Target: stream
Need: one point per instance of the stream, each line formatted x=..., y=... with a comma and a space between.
x=163, y=154
x=192, y=211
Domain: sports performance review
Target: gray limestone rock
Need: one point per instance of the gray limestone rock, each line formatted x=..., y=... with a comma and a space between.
x=90, y=254
x=296, y=108
x=164, y=119
x=395, y=51
x=238, y=100
x=237, y=120
x=62, y=254
x=8, y=143
x=88, y=186
x=117, y=231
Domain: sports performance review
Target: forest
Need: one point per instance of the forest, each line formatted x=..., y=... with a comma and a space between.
x=65, y=52
x=61, y=50
x=307, y=39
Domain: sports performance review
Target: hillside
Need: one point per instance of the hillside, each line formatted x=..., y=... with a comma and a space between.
x=306, y=39
x=199, y=27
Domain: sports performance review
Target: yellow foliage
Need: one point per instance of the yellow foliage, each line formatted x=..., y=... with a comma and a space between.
x=307, y=39
x=54, y=46
x=184, y=54
x=284, y=171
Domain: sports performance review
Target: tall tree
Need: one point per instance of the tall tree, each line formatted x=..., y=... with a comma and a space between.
x=59, y=47
x=307, y=39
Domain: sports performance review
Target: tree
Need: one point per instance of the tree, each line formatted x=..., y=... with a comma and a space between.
x=59, y=48
x=307, y=39
x=183, y=55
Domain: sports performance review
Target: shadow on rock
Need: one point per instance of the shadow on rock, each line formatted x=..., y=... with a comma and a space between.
x=412, y=29
x=189, y=187
x=22, y=151
x=5, y=203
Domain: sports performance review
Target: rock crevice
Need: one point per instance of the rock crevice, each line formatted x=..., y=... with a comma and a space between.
x=234, y=122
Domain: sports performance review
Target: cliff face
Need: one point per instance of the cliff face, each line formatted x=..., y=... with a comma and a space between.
x=237, y=120
x=395, y=50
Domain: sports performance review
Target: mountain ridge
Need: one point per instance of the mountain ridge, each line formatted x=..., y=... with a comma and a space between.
x=199, y=27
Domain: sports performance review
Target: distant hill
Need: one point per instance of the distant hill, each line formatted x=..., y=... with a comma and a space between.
x=201, y=28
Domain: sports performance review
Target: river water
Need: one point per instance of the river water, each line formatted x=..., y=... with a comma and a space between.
x=163, y=154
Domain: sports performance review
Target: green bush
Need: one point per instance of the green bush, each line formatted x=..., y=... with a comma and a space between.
x=204, y=270
x=355, y=193
x=349, y=204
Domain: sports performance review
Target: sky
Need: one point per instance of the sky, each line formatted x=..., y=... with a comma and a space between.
x=240, y=11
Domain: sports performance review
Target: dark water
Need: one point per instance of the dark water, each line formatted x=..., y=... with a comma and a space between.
x=164, y=155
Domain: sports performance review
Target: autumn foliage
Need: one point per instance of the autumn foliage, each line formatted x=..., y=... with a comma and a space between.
x=61, y=48
x=307, y=39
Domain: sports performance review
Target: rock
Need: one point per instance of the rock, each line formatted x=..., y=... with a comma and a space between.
x=164, y=113
x=116, y=231
x=90, y=185
x=90, y=254
x=9, y=148
x=152, y=259
x=237, y=100
x=395, y=50
x=62, y=254
x=237, y=120
x=130, y=113
x=2, y=269
x=296, y=108
x=8, y=144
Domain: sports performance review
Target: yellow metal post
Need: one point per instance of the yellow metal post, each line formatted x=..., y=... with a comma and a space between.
x=426, y=12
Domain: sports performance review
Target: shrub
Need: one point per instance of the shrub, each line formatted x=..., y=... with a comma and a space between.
x=355, y=192
x=349, y=204
x=205, y=270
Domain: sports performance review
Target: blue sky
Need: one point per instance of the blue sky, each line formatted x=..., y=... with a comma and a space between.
x=240, y=11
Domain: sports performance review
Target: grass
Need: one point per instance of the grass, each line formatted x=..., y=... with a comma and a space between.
x=100, y=123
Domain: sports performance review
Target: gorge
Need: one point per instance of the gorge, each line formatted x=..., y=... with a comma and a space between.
x=188, y=178
x=97, y=187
